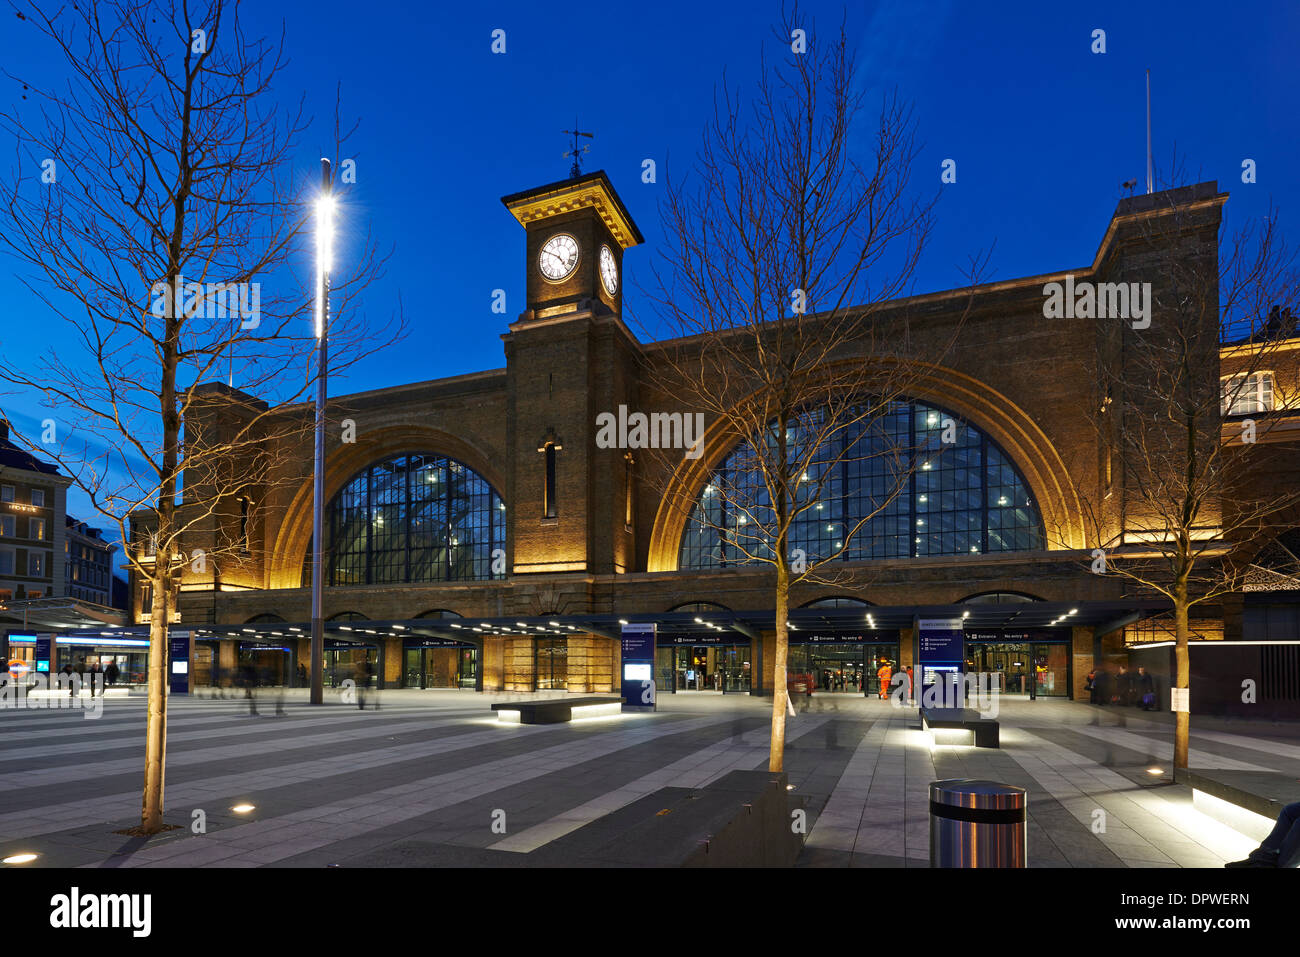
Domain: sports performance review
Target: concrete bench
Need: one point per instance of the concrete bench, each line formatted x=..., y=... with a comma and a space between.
x=556, y=710
x=962, y=725
x=1246, y=801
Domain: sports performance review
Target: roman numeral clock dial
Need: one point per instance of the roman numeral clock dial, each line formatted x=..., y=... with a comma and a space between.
x=608, y=270
x=559, y=257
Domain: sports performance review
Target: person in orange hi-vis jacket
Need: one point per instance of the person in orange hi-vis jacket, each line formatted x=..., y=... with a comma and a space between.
x=884, y=674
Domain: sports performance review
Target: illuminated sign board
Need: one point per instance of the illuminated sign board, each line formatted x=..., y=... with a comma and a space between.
x=638, y=645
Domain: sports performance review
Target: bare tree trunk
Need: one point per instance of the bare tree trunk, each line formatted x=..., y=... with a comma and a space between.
x=156, y=726
x=780, y=686
x=1182, y=664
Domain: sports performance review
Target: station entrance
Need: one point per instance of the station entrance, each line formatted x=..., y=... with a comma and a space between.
x=688, y=664
x=1016, y=665
x=839, y=664
x=431, y=663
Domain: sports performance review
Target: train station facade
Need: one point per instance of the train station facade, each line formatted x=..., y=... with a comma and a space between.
x=479, y=536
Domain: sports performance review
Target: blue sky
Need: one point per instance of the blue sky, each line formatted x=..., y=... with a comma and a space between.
x=1042, y=129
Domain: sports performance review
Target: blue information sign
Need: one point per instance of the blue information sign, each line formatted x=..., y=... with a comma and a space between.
x=44, y=650
x=637, y=685
x=941, y=649
x=178, y=656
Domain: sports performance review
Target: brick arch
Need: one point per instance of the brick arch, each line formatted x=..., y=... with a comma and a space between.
x=342, y=463
x=1004, y=422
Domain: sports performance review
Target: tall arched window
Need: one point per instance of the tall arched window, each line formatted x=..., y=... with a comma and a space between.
x=936, y=486
x=413, y=518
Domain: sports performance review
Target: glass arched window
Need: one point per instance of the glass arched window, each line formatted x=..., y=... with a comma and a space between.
x=936, y=486
x=413, y=518
x=700, y=606
x=998, y=598
x=839, y=602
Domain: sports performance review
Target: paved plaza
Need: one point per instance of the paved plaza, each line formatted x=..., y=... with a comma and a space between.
x=424, y=779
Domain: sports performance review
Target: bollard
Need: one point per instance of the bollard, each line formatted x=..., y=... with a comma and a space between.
x=977, y=824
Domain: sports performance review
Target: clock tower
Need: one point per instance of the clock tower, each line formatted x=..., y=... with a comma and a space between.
x=577, y=230
x=569, y=357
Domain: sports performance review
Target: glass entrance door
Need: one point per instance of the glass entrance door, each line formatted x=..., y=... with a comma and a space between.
x=413, y=668
x=1014, y=664
x=734, y=668
x=552, y=664
x=341, y=664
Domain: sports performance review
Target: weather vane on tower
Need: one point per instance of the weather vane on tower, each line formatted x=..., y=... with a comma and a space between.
x=576, y=169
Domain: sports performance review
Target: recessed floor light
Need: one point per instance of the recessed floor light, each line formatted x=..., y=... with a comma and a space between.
x=1155, y=770
x=24, y=858
x=243, y=808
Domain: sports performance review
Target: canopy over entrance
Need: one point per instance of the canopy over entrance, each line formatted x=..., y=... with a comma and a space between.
x=1104, y=616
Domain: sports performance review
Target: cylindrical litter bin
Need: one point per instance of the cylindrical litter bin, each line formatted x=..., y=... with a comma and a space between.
x=977, y=824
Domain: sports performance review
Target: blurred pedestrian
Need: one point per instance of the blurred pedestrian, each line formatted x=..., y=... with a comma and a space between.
x=110, y=674
x=371, y=672
x=362, y=678
x=248, y=678
x=1146, y=689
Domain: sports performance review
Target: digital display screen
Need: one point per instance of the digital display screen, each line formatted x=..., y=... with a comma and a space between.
x=42, y=666
x=180, y=667
x=636, y=672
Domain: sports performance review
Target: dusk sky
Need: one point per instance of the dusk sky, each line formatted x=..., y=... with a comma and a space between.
x=1043, y=132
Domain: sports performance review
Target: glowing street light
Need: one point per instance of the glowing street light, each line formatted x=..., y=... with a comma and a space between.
x=324, y=263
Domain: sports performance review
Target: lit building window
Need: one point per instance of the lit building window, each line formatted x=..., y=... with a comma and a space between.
x=412, y=518
x=628, y=491
x=548, y=492
x=961, y=498
x=1246, y=394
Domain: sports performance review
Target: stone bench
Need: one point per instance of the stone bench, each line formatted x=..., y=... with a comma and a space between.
x=1246, y=801
x=983, y=731
x=556, y=710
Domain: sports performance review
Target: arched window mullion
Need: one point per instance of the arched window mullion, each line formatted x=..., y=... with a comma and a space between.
x=448, y=499
x=984, y=494
x=912, y=537
x=844, y=498
x=370, y=524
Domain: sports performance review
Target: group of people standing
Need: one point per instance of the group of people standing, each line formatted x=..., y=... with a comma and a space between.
x=853, y=680
x=108, y=675
x=1123, y=688
x=841, y=680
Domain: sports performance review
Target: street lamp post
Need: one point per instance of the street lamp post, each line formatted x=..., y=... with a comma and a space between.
x=324, y=254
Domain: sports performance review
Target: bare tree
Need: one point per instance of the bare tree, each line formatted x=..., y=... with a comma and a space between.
x=1179, y=505
x=780, y=254
x=161, y=212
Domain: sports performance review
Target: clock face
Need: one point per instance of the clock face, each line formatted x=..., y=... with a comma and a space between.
x=608, y=270
x=559, y=257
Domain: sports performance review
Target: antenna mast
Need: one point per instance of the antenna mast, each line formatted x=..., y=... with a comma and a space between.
x=1150, y=188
